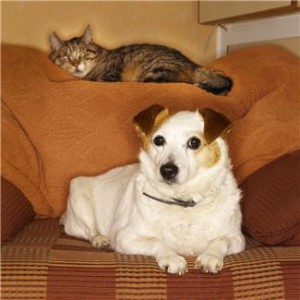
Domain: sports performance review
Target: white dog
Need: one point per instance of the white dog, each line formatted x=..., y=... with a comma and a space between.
x=181, y=199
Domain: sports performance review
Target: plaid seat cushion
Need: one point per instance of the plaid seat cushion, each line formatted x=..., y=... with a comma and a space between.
x=43, y=263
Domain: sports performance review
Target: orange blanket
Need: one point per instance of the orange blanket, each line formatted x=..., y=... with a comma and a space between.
x=55, y=127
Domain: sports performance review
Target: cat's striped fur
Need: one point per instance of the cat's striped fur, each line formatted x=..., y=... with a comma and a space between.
x=140, y=63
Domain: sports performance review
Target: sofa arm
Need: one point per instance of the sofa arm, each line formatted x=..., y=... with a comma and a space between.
x=16, y=211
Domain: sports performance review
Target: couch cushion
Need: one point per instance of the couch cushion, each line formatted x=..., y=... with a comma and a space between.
x=16, y=210
x=270, y=206
x=63, y=127
x=44, y=263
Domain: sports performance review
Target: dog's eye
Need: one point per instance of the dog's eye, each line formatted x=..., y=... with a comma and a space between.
x=159, y=140
x=194, y=143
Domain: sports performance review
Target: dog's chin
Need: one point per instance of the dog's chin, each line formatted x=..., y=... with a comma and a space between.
x=181, y=179
x=171, y=182
x=176, y=181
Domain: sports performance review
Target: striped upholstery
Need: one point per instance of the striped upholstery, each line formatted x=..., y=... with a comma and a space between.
x=16, y=211
x=43, y=263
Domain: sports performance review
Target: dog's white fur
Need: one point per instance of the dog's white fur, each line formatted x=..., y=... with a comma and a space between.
x=111, y=211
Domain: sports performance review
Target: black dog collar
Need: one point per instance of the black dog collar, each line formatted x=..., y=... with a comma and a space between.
x=188, y=203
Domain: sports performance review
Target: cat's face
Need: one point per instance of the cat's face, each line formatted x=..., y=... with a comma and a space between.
x=77, y=55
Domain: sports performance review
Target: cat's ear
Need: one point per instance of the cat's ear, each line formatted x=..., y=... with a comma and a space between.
x=87, y=35
x=55, y=41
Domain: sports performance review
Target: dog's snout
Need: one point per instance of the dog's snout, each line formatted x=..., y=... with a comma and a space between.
x=169, y=171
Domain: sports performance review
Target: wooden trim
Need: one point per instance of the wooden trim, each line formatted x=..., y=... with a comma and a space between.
x=293, y=7
x=286, y=26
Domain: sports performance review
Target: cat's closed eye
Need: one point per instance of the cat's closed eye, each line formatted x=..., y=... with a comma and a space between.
x=89, y=54
x=62, y=59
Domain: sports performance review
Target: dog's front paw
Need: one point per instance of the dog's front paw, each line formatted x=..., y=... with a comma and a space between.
x=209, y=262
x=174, y=264
x=101, y=242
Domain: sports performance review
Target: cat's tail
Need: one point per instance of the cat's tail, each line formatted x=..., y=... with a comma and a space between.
x=212, y=81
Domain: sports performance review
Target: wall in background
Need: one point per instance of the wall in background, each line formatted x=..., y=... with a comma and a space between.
x=174, y=24
x=281, y=30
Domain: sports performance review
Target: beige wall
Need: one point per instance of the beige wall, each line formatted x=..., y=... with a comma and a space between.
x=174, y=24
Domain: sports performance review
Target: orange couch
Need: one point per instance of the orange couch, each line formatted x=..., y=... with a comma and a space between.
x=56, y=127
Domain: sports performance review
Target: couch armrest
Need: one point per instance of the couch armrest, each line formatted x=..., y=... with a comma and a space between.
x=16, y=211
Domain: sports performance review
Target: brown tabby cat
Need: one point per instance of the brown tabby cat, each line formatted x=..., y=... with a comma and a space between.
x=83, y=58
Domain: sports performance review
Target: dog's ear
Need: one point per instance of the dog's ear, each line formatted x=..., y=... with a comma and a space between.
x=150, y=118
x=215, y=124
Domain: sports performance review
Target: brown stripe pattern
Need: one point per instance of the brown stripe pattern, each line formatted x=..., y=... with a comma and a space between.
x=16, y=211
x=44, y=263
x=24, y=261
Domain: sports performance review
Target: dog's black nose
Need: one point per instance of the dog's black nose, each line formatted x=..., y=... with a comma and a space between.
x=168, y=171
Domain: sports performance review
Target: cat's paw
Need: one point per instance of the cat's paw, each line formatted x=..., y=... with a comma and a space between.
x=209, y=262
x=174, y=264
x=101, y=242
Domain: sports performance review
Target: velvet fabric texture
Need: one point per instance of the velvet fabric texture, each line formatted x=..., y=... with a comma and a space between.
x=270, y=205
